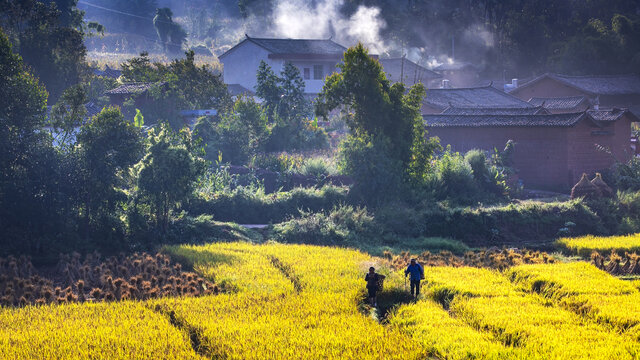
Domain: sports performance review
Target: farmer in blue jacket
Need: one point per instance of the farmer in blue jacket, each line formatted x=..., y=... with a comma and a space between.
x=417, y=274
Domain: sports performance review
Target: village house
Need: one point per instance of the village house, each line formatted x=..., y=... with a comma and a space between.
x=552, y=150
x=604, y=91
x=139, y=91
x=487, y=97
x=409, y=73
x=314, y=58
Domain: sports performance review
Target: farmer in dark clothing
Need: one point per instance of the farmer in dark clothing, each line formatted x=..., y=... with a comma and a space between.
x=417, y=274
x=373, y=284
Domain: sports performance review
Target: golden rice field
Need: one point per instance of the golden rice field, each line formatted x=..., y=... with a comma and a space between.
x=585, y=245
x=306, y=302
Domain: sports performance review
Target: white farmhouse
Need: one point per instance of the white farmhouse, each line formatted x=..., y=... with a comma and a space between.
x=315, y=58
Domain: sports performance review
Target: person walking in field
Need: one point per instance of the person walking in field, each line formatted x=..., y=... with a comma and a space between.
x=374, y=284
x=416, y=273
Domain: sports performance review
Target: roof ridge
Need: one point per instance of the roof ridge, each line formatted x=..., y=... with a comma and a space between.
x=593, y=76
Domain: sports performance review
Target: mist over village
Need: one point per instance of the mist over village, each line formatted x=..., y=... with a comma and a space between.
x=323, y=179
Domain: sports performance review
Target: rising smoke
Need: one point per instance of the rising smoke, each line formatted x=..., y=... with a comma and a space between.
x=302, y=19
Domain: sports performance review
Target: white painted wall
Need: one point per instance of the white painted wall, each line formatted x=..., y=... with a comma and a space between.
x=241, y=65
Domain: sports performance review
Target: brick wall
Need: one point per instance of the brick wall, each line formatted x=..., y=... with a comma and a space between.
x=584, y=156
x=540, y=154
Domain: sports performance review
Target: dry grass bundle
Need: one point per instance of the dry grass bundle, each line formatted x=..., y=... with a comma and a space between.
x=605, y=190
x=75, y=278
x=615, y=264
x=585, y=189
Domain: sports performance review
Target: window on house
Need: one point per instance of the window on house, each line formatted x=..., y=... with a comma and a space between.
x=317, y=72
x=307, y=73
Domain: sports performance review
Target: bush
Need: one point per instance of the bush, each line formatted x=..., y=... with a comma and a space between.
x=316, y=167
x=343, y=226
x=453, y=178
x=377, y=176
x=252, y=206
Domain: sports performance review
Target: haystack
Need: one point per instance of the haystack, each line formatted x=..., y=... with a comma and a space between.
x=584, y=188
x=602, y=186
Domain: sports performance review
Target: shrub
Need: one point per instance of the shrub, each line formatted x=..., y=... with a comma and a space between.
x=453, y=177
x=344, y=225
x=377, y=175
x=252, y=206
x=316, y=167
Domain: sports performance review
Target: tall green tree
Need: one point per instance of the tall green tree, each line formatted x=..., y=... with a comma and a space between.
x=107, y=146
x=49, y=38
x=167, y=174
x=31, y=196
x=384, y=119
x=170, y=33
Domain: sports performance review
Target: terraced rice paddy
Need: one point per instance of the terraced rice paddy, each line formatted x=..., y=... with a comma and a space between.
x=305, y=302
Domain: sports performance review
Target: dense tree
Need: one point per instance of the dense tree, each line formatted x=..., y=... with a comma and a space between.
x=288, y=110
x=170, y=33
x=168, y=172
x=384, y=119
x=49, y=38
x=107, y=146
x=238, y=135
x=28, y=163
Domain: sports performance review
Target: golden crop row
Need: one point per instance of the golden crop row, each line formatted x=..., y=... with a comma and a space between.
x=126, y=330
x=586, y=290
x=319, y=321
x=585, y=245
x=528, y=326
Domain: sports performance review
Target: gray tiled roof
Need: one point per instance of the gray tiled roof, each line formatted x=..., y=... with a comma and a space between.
x=494, y=111
x=296, y=46
x=606, y=115
x=92, y=109
x=543, y=120
x=444, y=120
x=557, y=103
x=411, y=70
x=486, y=97
x=598, y=84
x=132, y=88
x=108, y=72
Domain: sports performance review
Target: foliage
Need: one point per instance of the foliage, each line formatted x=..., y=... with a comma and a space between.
x=107, y=147
x=317, y=167
x=387, y=145
x=626, y=176
x=378, y=176
x=49, y=37
x=34, y=199
x=238, y=136
x=453, y=177
x=288, y=110
x=167, y=174
x=342, y=226
x=246, y=205
x=184, y=86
